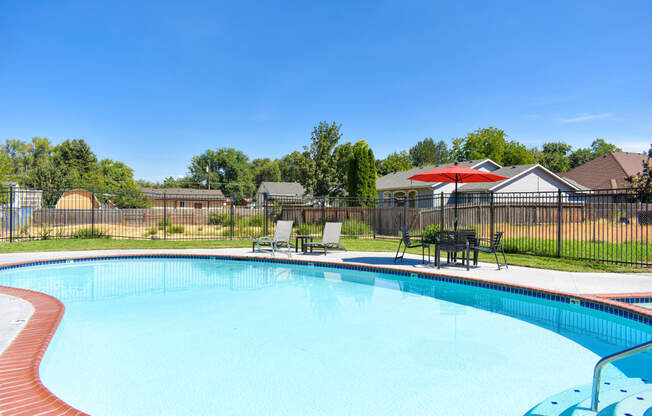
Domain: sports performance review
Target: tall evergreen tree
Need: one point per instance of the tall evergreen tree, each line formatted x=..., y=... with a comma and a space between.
x=361, y=178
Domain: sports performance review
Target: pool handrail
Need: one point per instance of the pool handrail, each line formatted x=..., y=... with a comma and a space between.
x=597, y=371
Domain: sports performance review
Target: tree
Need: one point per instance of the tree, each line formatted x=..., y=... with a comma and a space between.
x=323, y=139
x=427, y=152
x=491, y=143
x=642, y=183
x=265, y=170
x=517, y=154
x=50, y=178
x=341, y=156
x=17, y=152
x=5, y=168
x=361, y=178
x=599, y=147
x=228, y=168
x=181, y=182
x=77, y=155
x=116, y=183
x=554, y=156
x=394, y=162
x=580, y=157
x=482, y=143
x=298, y=167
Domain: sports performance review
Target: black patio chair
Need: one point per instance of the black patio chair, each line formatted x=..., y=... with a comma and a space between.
x=452, y=243
x=489, y=245
x=412, y=241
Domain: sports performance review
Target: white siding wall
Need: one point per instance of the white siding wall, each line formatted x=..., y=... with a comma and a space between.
x=536, y=180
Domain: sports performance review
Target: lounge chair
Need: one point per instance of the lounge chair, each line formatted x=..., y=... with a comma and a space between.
x=412, y=241
x=281, y=238
x=330, y=238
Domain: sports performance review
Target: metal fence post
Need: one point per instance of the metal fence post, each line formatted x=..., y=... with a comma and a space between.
x=374, y=216
x=405, y=212
x=323, y=210
x=165, y=216
x=11, y=213
x=441, y=211
x=93, y=212
x=232, y=212
x=266, y=213
x=491, y=216
x=559, y=222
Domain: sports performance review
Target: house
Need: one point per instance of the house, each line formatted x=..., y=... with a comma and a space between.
x=287, y=191
x=78, y=199
x=607, y=171
x=523, y=179
x=184, y=197
x=394, y=188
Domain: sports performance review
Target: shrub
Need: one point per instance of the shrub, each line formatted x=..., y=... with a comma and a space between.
x=175, y=229
x=164, y=223
x=219, y=218
x=356, y=227
x=151, y=231
x=89, y=233
x=256, y=220
x=430, y=233
x=45, y=233
x=308, y=229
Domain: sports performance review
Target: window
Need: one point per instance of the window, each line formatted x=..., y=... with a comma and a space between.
x=387, y=198
x=412, y=199
x=399, y=198
x=182, y=204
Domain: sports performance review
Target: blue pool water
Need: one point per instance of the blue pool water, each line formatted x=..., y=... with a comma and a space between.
x=206, y=337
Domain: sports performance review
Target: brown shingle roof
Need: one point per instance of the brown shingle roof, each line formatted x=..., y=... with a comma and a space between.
x=172, y=193
x=607, y=171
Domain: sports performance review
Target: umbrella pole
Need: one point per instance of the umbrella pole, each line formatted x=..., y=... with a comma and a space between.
x=455, y=224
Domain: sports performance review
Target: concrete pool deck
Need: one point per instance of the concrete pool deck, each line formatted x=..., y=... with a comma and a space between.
x=28, y=319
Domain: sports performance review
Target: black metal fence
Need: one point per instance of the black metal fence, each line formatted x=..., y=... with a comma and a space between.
x=608, y=225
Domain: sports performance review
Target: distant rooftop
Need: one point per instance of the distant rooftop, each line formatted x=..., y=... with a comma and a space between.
x=197, y=194
x=282, y=188
x=608, y=171
x=399, y=180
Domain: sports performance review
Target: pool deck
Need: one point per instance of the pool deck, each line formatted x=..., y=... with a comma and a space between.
x=38, y=314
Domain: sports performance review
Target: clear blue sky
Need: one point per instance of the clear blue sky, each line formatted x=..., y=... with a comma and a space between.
x=153, y=83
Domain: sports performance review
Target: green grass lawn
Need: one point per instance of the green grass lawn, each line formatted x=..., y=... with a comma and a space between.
x=350, y=243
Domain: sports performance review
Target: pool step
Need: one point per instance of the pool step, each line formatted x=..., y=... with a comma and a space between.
x=577, y=401
x=638, y=404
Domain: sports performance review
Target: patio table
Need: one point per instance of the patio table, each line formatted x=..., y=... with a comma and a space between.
x=303, y=239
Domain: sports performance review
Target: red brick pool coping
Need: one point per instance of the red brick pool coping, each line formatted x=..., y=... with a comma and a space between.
x=23, y=394
x=21, y=390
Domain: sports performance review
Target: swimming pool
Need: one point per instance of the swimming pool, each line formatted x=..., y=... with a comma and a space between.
x=160, y=336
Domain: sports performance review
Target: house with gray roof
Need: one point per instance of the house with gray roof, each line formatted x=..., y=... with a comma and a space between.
x=184, y=197
x=395, y=188
x=280, y=190
x=523, y=178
